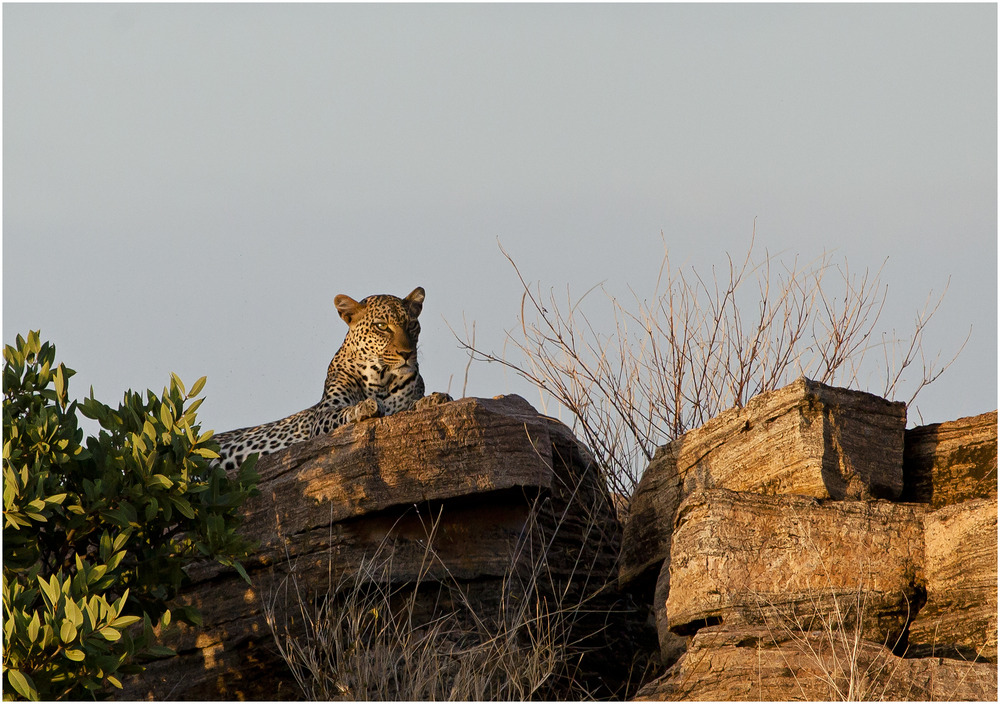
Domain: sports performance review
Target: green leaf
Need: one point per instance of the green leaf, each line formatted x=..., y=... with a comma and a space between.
x=105, y=545
x=119, y=516
x=198, y=386
x=67, y=632
x=33, y=627
x=125, y=621
x=109, y=633
x=60, y=383
x=242, y=573
x=166, y=417
x=92, y=613
x=183, y=505
x=122, y=539
x=120, y=602
x=75, y=655
x=22, y=684
x=48, y=636
x=116, y=560
x=177, y=382
x=96, y=573
x=188, y=614
x=50, y=590
x=74, y=612
x=160, y=651
x=159, y=480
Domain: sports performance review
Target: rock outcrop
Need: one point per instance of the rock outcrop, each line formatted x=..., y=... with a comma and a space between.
x=803, y=547
x=947, y=463
x=806, y=438
x=787, y=564
x=792, y=562
x=959, y=619
x=760, y=664
x=493, y=481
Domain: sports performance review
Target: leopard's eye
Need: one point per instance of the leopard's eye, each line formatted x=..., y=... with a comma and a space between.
x=380, y=326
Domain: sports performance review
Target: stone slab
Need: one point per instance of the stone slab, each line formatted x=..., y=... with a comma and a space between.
x=960, y=616
x=806, y=438
x=795, y=562
x=947, y=463
x=463, y=448
x=759, y=665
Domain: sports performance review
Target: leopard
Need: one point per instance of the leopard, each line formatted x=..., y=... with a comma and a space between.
x=373, y=374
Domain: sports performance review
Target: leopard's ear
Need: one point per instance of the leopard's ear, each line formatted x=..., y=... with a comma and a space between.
x=415, y=301
x=348, y=308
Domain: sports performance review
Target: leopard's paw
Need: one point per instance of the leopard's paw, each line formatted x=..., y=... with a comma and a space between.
x=433, y=399
x=369, y=408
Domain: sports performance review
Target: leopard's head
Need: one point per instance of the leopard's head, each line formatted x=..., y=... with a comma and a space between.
x=383, y=329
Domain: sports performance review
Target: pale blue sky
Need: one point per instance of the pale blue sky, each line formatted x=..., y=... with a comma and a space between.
x=187, y=187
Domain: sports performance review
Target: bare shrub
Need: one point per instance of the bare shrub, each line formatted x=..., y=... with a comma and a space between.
x=699, y=345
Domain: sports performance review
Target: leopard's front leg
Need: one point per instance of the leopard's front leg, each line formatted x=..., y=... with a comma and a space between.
x=330, y=419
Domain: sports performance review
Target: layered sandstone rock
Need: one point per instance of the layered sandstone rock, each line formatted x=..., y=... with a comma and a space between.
x=760, y=664
x=490, y=481
x=806, y=438
x=960, y=567
x=793, y=562
x=790, y=554
x=946, y=463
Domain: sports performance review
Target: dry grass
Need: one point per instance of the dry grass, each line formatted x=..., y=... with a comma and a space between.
x=848, y=667
x=821, y=655
x=370, y=637
x=384, y=633
x=825, y=643
x=700, y=345
x=832, y=641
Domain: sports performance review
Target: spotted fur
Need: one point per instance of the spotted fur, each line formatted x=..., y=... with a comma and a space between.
x=374, y=373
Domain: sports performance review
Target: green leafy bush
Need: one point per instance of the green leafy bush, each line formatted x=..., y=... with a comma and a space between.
x=96, y=537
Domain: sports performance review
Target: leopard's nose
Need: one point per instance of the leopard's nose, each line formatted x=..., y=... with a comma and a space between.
x=407, y=355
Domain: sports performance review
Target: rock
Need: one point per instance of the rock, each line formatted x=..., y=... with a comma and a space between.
x=672, y=646
x=724, y=664
x=503, y=489
x=946, y=463
x=960, y=616
x=806, y=438
x=793, y=562
x=475, y=446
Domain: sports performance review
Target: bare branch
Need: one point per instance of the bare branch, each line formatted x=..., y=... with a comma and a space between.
x=701, y=345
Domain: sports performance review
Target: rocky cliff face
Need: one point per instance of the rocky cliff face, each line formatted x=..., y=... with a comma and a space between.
x=805, y=546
